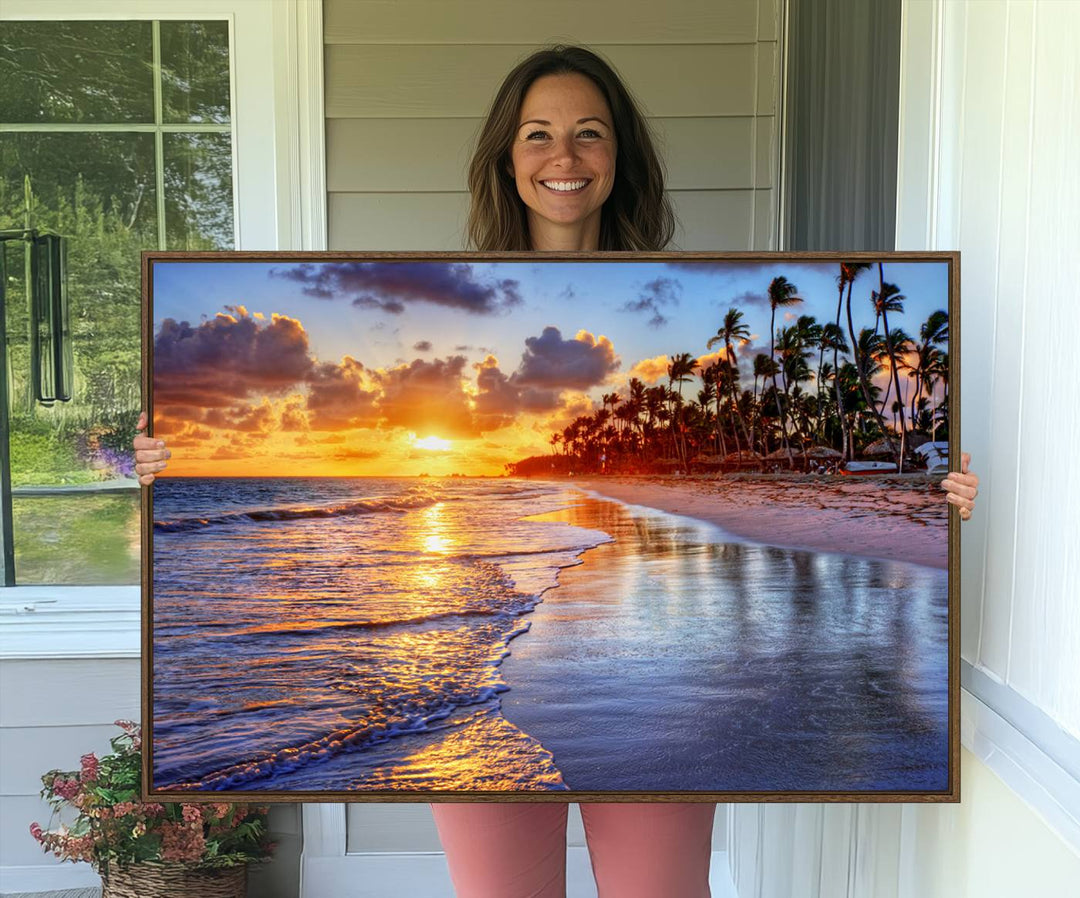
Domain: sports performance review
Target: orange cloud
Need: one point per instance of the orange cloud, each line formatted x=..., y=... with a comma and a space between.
x=337, y=399
x=651, y=371
x=427, y=397
x=707, y=361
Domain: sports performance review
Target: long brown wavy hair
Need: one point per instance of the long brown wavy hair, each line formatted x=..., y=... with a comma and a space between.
x=636, y=216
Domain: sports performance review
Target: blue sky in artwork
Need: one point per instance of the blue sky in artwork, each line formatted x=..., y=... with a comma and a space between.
x=645, y=308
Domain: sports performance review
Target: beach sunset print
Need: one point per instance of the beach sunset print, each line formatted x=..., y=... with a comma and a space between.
x=436, y=525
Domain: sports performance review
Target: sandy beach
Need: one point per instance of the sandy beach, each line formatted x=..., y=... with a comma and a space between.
x=895, y=518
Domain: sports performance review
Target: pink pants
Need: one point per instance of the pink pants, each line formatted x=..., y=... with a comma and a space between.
x=518, y=850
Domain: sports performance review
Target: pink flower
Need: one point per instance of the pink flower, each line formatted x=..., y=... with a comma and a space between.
x=123, y=808
x=89, y=767
x=191, y=813
x=65, y=788
x=36, y=832
x=180, y=842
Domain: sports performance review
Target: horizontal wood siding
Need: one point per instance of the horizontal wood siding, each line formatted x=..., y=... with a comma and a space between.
x=432, y=154
x=452, y=81
x=53, y=712
x=434, y=221
x=519, y=22
x=408, y=83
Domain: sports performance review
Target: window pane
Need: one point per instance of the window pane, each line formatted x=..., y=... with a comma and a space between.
x=76, y=503
x=78, y=540
x=195, y=71
x=198, y=192
x=98, y=191
x=76, y=72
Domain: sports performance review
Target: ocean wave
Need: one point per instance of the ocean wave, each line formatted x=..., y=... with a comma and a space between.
x=216, y=631
x=398, y=504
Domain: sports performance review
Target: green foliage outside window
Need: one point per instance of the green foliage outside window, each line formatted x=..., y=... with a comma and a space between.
x=88, y=151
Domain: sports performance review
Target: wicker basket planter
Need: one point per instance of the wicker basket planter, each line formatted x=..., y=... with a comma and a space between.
x=174, y=881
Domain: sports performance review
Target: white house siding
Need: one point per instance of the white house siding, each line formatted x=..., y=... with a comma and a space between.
x=53, y=711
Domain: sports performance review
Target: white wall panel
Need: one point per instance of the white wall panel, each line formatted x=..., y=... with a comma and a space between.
x=990, y=123
x=1045, y=632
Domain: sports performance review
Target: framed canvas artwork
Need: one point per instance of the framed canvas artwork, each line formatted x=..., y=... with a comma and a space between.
x=612, y=526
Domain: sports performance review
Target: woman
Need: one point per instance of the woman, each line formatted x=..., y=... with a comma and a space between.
x=565, y=163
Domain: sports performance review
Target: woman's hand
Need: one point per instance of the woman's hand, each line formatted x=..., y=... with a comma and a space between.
x=150, y=454
x=962, y=487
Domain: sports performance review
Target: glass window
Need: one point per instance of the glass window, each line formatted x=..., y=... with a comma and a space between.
x=195, y=71
x=117, y=136
x=66, y=72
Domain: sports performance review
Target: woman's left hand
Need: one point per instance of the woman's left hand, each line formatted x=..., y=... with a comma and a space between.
x=962, y=487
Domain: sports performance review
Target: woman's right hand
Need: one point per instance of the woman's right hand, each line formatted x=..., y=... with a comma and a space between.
x=150, y=454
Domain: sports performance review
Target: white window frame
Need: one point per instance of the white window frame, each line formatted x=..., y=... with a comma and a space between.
x=279, y=191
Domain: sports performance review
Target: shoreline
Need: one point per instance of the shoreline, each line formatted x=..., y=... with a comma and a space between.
x=894, y=519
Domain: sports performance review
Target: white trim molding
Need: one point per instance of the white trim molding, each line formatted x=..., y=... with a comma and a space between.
x=1044, y=777
x=298, y=36
x=70, y=622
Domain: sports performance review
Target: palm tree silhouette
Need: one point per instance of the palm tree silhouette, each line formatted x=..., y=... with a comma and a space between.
x=680, y=371
x=781, y=293
x=731, y=330
x=890, y=299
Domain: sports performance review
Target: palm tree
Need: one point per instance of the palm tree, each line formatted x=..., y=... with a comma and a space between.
x=849, y=271
x=935, y=332
x=680, y=370
x=707, y=395
x=941, y=413
x=832, y=337
x=924, y=372
x=711, y=393
x=897, y=345
x=935, y=329
x=890, y=299
x=764, y=367
x=871, y=348
x=781, y=293
x=841, y=282
x=867, y=349
x=731, y=330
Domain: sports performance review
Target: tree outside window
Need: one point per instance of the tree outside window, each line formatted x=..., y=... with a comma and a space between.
x=116, y=135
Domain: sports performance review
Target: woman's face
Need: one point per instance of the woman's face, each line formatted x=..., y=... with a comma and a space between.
x=563, y=159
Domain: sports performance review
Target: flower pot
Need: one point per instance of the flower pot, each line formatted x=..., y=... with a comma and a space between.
x=168, y=880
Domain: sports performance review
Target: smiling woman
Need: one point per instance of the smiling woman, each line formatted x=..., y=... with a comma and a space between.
x=561, y=117
x=563, y=159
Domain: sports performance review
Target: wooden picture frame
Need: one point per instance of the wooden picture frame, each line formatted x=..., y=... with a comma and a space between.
x=528, y=527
